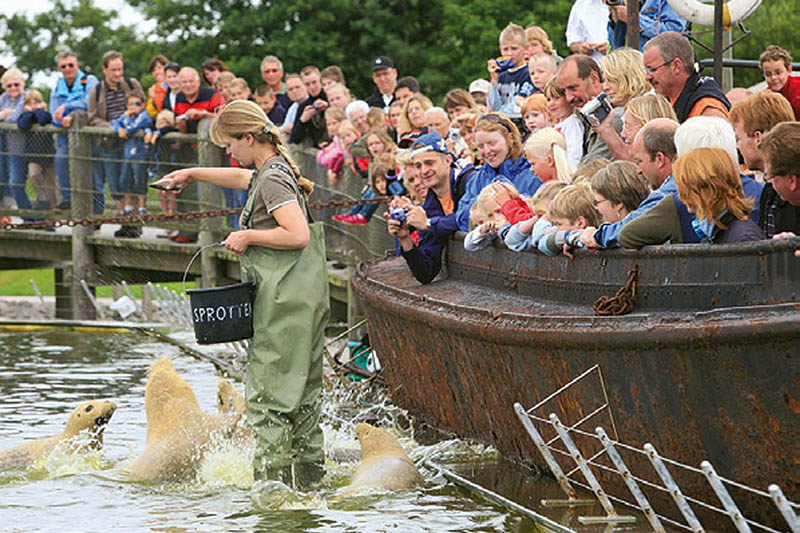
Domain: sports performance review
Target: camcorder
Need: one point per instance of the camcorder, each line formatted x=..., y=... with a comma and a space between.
x=399, y=214
x=504, y=63
x=597, y=109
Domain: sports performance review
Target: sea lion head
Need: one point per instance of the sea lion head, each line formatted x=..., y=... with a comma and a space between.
x=228, y=399
x=377, y=442
x=93, y=416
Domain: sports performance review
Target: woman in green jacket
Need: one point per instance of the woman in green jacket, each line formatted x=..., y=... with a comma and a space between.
x=283, y=252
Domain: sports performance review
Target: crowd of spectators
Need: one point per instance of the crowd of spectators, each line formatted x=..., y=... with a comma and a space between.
x=608, y=147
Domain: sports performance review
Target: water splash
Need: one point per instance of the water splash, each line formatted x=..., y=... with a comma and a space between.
x=227, y=462
x=72, y=456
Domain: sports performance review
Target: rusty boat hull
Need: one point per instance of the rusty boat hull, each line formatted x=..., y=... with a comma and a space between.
x=705, y=368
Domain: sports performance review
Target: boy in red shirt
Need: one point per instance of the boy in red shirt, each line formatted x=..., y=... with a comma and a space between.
x=776, y=64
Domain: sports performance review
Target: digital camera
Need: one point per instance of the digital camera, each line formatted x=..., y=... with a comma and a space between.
x=398, y=214
x=597, y=109
x=504, y=63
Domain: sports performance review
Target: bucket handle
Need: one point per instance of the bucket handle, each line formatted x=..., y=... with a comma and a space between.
x=198, y=252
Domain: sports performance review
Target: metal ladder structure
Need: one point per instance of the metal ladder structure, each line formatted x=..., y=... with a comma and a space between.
x=596, y=451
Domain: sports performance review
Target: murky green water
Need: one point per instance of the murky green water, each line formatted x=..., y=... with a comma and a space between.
x=44, y=375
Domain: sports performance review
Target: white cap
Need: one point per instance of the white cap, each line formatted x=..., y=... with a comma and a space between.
x=479, y=86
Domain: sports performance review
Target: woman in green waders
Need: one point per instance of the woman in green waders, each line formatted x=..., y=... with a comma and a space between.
x=283, y=252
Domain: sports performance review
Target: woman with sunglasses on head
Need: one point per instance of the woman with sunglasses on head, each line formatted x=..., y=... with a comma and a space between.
x=500, y=148
x=12, y=105
x=283, y=252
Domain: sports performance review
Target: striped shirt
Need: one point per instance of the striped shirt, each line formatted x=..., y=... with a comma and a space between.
x=115, y=103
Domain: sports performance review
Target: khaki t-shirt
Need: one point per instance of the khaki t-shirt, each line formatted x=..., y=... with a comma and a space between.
x=273, y=187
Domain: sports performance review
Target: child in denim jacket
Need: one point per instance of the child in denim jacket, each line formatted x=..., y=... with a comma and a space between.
x=133, y=175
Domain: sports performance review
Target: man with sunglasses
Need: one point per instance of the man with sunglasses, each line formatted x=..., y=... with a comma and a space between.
x=669, y=67
x=71, y=93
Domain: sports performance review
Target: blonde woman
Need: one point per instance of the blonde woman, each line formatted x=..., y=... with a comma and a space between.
x=623, y=76
x=283, y=253
x=642, y=109
x=500, y=147
x=546, y=151
x=413, y=115
x=12, y=104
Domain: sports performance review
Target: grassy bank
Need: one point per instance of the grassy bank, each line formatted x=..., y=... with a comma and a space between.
x=18, y=283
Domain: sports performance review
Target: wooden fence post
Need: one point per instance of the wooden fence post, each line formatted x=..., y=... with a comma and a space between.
x=80, y=171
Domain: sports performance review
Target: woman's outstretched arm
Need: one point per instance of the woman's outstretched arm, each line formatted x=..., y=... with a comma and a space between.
x=235, y=178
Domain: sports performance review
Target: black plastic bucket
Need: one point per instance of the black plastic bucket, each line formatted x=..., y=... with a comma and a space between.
x=222, y=314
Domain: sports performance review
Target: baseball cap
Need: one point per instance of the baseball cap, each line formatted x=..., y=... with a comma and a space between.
x=429, y=142
x=408, y=138
x=382, y=62
x=479, y=86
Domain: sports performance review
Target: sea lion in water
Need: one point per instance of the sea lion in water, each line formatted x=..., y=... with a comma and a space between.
x=91, y=416
x=178, y=431
x=384, y=463
x=228, y=399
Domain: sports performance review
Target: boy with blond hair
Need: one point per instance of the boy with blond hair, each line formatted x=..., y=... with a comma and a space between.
x=41, y=170
x=568, y=213
x=511, y=82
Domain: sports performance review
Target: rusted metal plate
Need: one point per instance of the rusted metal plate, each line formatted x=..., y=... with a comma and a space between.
x=720, y=385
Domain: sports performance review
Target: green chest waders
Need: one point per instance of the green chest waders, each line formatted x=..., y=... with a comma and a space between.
x=284, y=368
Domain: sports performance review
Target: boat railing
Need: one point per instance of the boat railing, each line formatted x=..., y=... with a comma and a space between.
x=586, y=453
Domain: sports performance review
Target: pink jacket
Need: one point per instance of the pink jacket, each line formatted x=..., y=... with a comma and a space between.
x=331, y=157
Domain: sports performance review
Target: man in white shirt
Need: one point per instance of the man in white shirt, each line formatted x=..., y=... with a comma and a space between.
x=587, y=28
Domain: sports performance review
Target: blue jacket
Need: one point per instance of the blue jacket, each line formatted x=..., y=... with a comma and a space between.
x=510, y=83
x=133, y=145
x=425, y=259
x=72, y=98
x=517, y=172
x=657, y=16
x=37, y=142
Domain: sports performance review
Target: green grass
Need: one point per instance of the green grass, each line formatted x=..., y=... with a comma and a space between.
x=18, y=283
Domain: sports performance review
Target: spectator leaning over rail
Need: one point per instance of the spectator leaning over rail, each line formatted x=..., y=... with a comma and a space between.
x=780, y=147
x=12, y=103
x=41, y=172
x=436, y=219
x=709, y=206
x=107, y=103
x=500, y=147
x=71, y=93
x=653, y=151
x=194, y=102
x=776, y=64
x=384, y=75
x=581, y=79
x=751, y=119
x=715, y=132
x=618, y=189
x=669, y=64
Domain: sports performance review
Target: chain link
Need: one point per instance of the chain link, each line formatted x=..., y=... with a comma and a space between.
x=144, y=218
